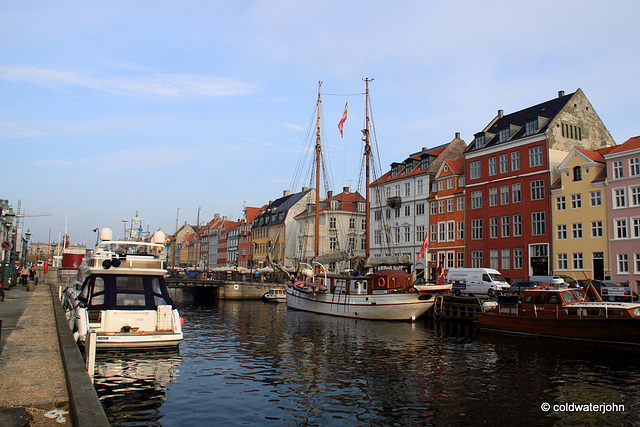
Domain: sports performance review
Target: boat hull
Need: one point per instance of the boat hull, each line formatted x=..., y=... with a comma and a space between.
x=136, y=341
x=373, y=307
x=624, y=330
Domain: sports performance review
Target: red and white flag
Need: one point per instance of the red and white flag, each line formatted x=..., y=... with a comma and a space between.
x=440, y=272
x=344, y=118
x=425, y=245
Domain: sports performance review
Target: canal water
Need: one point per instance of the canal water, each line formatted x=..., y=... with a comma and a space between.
x=255, y=363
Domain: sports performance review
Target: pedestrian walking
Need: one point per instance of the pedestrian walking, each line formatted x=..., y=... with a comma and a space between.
x=33, y=276
x=24, y=275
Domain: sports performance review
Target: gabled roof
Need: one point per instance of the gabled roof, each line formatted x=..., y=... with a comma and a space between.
x=347, y=202
x=516, y=121
x=630, y=144
x=281, y=205
x=416, y=158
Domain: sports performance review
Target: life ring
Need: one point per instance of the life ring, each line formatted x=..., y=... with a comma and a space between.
x=318, y=282
x=381, y=282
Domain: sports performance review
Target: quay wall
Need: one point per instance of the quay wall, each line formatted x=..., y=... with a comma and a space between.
x=246, y=290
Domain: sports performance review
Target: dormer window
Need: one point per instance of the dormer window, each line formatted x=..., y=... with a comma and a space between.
x=334, y=205
x=504, y=134
x=531, y=127
x=361, y=206
x=480, y=142
x=394, y=171
x=424, y=163
x=577, y=173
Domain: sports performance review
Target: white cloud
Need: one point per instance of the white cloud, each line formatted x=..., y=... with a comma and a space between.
x=149, y=84
x=15, y=130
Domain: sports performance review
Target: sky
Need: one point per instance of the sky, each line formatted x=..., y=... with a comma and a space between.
x=170, y=108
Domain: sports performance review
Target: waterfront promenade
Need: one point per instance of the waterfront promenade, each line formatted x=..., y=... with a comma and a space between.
x=39, y=370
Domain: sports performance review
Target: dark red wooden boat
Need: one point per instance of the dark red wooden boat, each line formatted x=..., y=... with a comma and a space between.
x=563, y=313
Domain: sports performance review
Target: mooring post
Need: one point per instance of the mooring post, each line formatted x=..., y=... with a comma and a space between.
x=90, y=350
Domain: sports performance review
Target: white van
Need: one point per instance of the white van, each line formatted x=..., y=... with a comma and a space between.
x=481, y=281
x=555, y=281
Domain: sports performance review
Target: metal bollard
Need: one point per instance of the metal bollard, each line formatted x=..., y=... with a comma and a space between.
x=90, y=352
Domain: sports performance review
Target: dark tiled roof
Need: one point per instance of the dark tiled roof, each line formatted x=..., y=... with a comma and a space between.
x=547, y=110
x=281, y=205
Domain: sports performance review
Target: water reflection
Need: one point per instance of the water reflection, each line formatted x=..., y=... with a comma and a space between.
x=248, y=362
x=132, y=386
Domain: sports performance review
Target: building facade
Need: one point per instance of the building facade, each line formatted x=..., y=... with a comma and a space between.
x=509, y=168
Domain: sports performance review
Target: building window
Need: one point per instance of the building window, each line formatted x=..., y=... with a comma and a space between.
x=531, y=127
x=517, y=225
x=504, y=195
x=480, y=141
x=419, y=233
x=332, y=223
x=449, y=205
x=407, y=210
x=577, y=173
x=538, y=223
x=617, y=169
x=561, y=203
x=396, y=211
x=505, y=226
x=637, y=263
x=434, y=233
x=441, y=206
x=516, y=193
x=474, y=169
x=396, y=234
x=506, y=259
x=397, y=190
x=576, y=201
x=451, y=231
x=623, y=264
x=578, y=263
x=407, y=234
x=434, y=208
x=635, y=227
x=352, y=223
x=460, y=203
x=635, y=196
x=333, y=243
x=596, y=198
x=562, y=262
x=449, y=183
x=576, y=230
x=420, y=186
x=407, y=189
x=535, y=156
x=460, y=230
x=493, y=227
x=517, y=258
x=503, y=135
x=561, y=230
x=476, y=229
x=420, y=209
x=363, y=224
x=493, y=259
x=492, y=166
x=571, y=131
x=442, y=237
x=621, y=228
x=493, y=196
x=476, y=199
x=620, y=199
x=634, y=166
x=596, y=229
x=515, y=161
x=537, y=189
x=504, y=163
x=460, y=260
x=476, y=259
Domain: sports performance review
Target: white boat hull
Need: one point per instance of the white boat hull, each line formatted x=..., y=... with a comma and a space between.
x=373, y=307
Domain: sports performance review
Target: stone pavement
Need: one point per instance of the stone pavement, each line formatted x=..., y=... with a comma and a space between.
x=32, y=378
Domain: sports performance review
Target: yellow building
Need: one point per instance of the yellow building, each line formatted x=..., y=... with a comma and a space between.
x=580, y=246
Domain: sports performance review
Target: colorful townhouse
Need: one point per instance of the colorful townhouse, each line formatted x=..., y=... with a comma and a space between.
x=399, y=205
x=341, y=230
x=509, y=169
x=446, y=240
x=580, y=238
x=623, y=203
x=245, y=252
x=274, y=232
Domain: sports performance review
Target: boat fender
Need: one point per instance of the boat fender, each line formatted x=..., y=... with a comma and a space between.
x=381, y=282
x=181, y=321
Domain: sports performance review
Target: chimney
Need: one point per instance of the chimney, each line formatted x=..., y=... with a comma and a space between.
x=457, y=135
x=329, y=194
x=500, y=114
x=224, y=218
x=560, y=93
x=216, y=216
x=305, y=189
x=345, y=189
x=286, y=193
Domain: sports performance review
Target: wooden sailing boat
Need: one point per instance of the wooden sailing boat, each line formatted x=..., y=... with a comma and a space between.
x=382, y=295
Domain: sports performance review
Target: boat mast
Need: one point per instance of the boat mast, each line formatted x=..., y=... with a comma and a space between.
x=367, y=154
x=318, y=154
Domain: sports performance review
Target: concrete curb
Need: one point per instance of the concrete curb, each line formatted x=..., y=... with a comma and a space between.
x=85, y=408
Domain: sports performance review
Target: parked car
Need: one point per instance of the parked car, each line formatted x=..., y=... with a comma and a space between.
x=518, y=288
x=609, y=290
